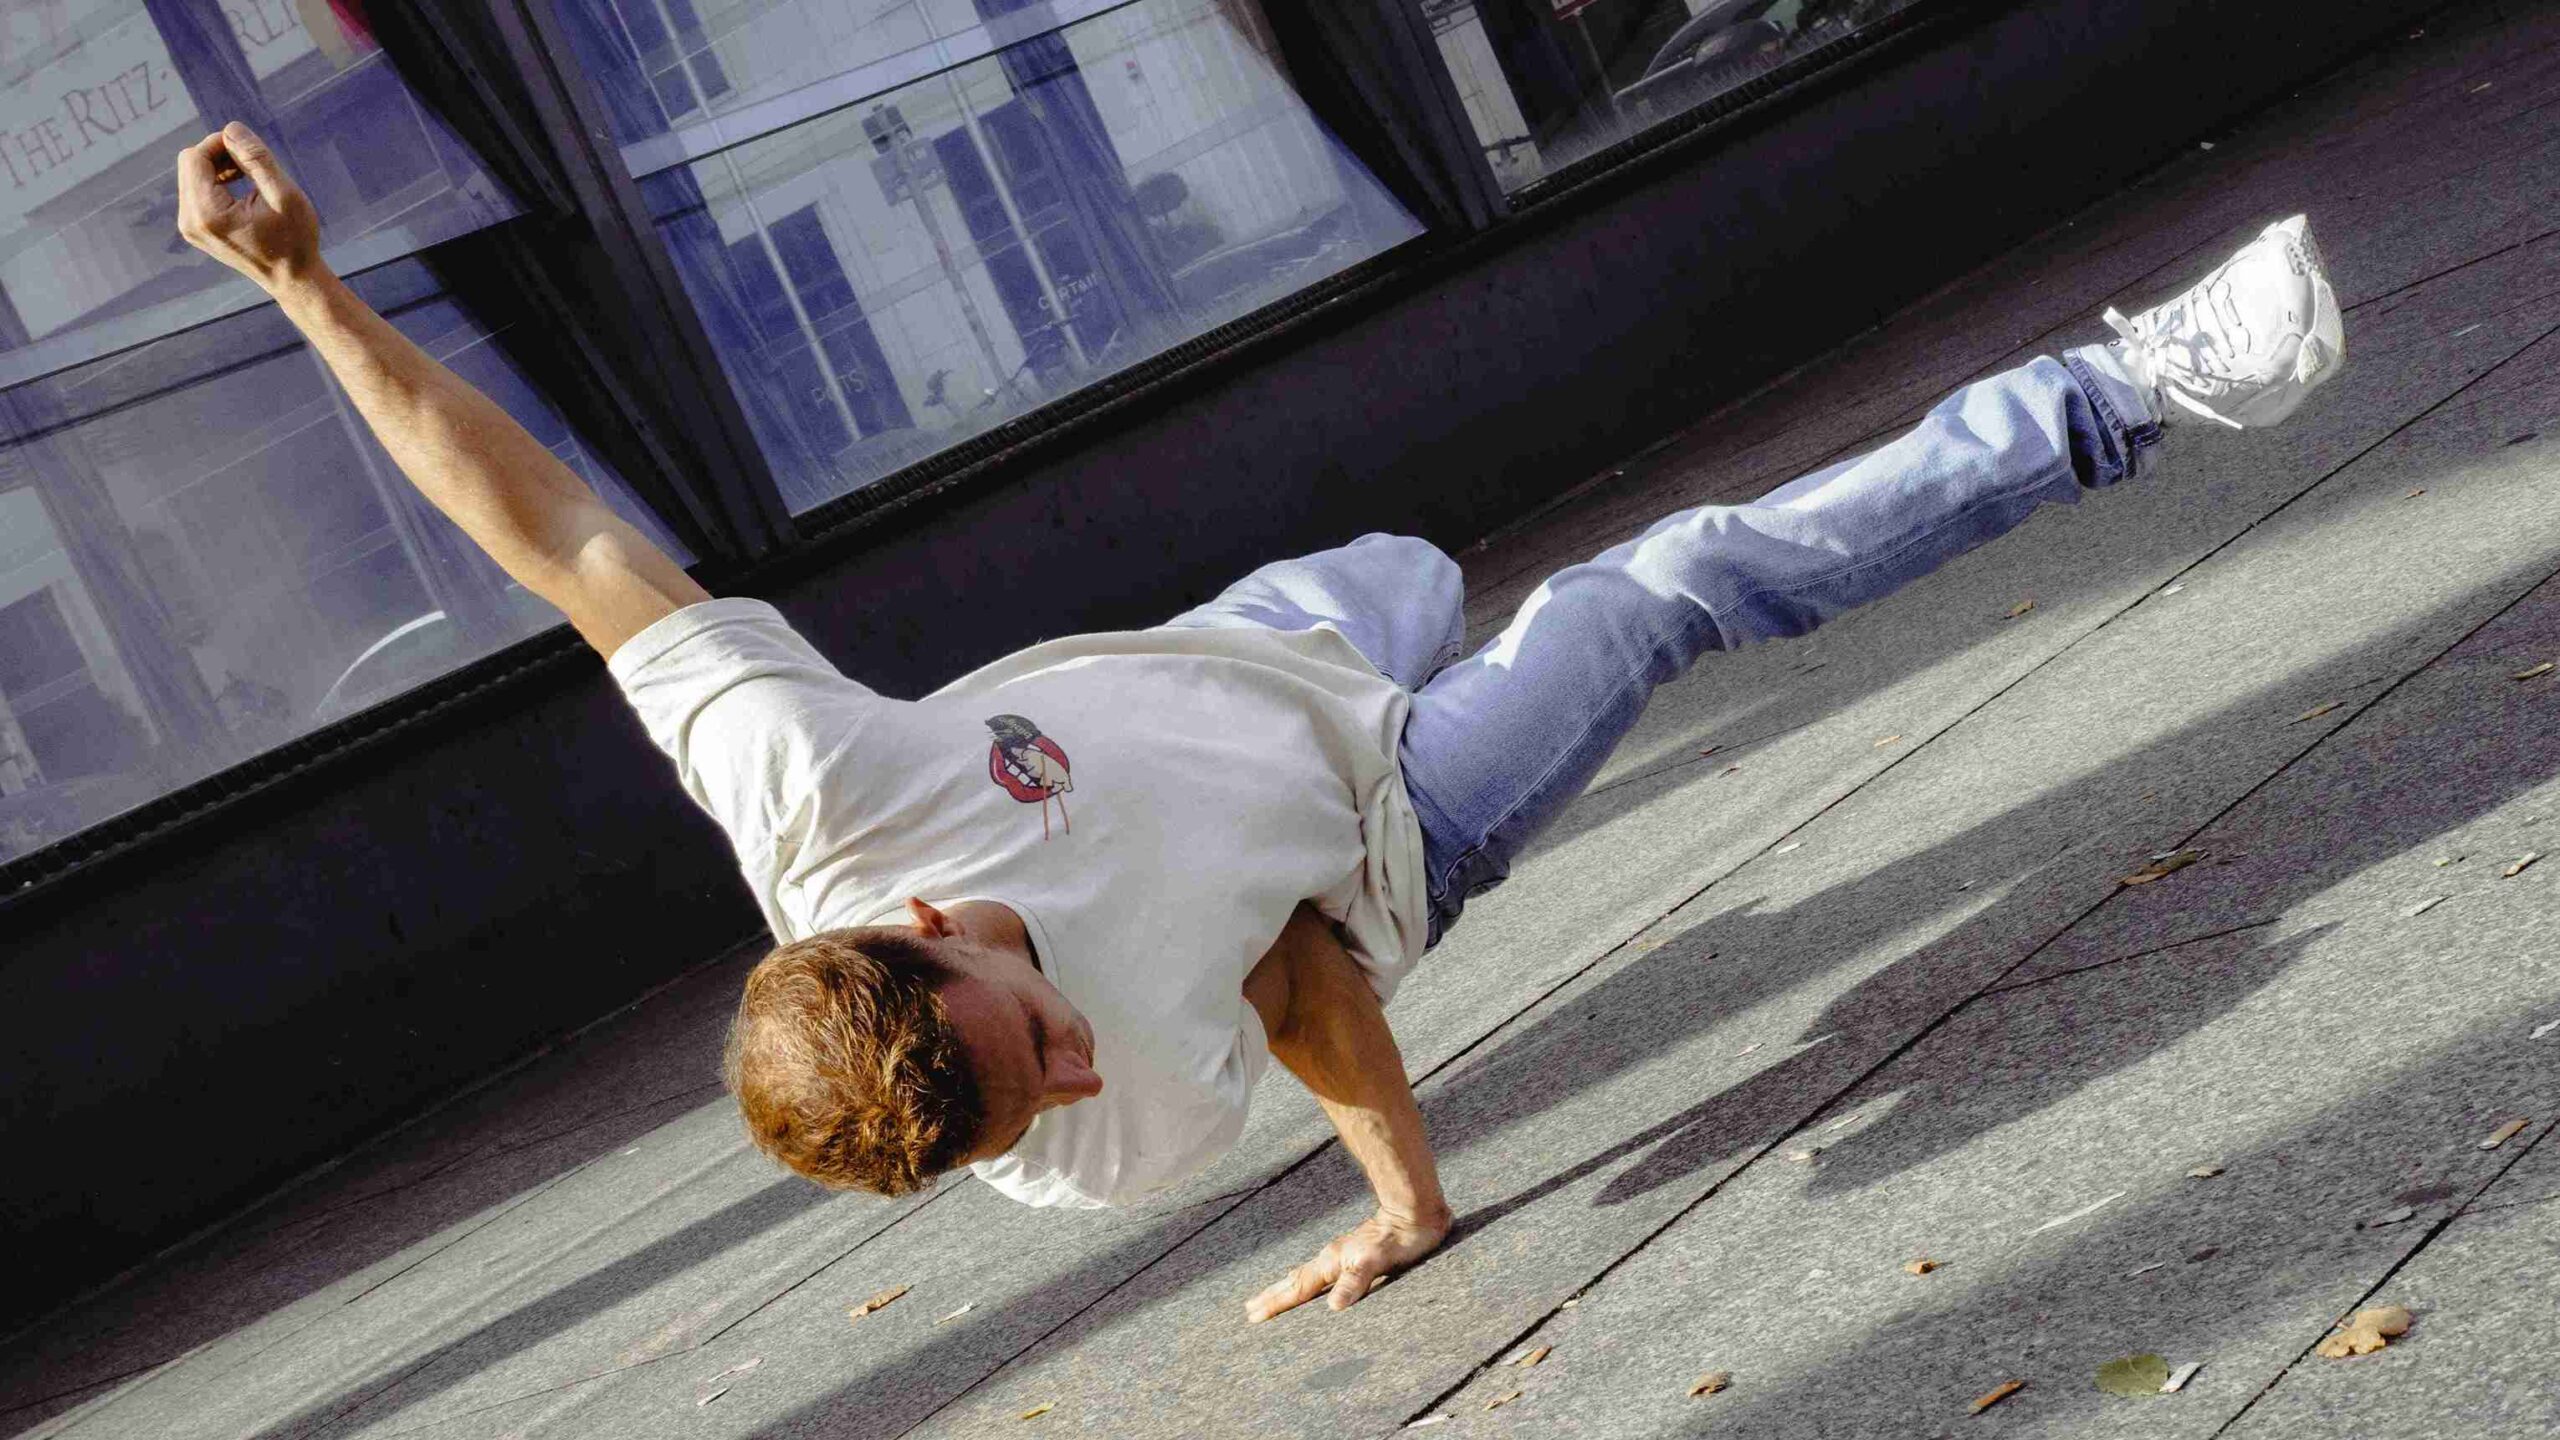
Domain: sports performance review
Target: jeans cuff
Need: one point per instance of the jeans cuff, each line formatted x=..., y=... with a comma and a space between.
x=2120, y=402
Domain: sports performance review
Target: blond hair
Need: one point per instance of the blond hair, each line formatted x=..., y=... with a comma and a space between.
x=846, y=1066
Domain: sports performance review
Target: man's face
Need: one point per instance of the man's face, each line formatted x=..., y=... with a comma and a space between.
x=1028, y=1047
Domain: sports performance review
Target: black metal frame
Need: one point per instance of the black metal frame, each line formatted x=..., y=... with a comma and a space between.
x=753, y=540
x=735, y=478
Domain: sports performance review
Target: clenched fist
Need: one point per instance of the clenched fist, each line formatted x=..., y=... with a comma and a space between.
x=271, y=235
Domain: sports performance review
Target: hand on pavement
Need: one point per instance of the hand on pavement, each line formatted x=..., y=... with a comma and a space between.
x=271, y=235
x=1349, y=1266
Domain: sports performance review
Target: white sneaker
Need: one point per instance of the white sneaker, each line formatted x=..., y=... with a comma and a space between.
x=2248, y=342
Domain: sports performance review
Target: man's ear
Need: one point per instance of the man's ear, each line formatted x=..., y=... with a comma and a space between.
x=929, y=920
x=1069, y=1079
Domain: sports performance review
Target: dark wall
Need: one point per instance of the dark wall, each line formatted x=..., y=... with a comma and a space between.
x=194, y=1023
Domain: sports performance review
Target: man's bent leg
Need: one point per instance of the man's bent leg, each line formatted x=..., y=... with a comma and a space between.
x=1398, y=600
x=1500, y=741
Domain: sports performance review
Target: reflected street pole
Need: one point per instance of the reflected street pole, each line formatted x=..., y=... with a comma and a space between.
x=892, y=137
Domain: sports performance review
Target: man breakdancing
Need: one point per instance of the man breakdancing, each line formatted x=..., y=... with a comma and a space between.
x=1281, y=799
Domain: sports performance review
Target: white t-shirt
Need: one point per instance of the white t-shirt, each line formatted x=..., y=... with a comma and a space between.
x=1153, y=804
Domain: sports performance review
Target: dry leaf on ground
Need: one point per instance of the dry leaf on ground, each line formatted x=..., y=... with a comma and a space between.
x=2371, y=1330
x=1710, y=1383
x=2315, y=712
x=1036, y=1411
x=2542, y=669
x=881, y=1301
x=2021, y=608
x=2503, y=1134
x=1534, y=1356
x=2179, y=1377
x=1888, y=740
x=2134, y=1375
x=1498, y=1401
x=1920, y=1267
x=2414, y=494
x=2545, y=1028
x=1998, y=1393
x=2204, y=1172
x=2396, y=1216
x=2163, y=867
x=1806, y=1155
x=2523, y=863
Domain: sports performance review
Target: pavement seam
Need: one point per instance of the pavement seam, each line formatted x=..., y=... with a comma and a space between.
x=500, y=1214
x=100, y=1383
x=2473, y=1206
x=769, y=1301
x=608, y=1373
x=1114, y=1288
x=473, y=1157
x=2385, y=1278
x=2015, y=986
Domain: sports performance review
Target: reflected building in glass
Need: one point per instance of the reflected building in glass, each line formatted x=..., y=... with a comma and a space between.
x=905, y=224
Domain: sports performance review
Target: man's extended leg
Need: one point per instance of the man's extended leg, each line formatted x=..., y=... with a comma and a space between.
x=1501, y=741
x=1398, y=601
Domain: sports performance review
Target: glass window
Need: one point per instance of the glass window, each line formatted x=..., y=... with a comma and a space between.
x=96, y=96
x=904, y=224
x=1547, y=82
x=203, y=552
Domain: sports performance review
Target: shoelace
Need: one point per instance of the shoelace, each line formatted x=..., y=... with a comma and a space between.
x=2166, y=363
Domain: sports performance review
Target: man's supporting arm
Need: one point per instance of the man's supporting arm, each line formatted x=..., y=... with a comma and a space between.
x=1326, y=1026
x=505, y=489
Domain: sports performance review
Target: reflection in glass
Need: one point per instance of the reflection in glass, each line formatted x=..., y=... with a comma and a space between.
x=1547, y=82
x=204, y=554
x=96, y=96
x=892, y=272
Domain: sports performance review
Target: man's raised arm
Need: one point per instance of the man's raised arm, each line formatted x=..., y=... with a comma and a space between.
x=506, y=490
x=1326, y=1026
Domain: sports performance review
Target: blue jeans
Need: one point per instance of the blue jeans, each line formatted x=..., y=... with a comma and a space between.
x=1500, y=741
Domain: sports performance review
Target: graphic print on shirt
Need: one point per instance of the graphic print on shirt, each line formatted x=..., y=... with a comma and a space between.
x=1030, y=767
